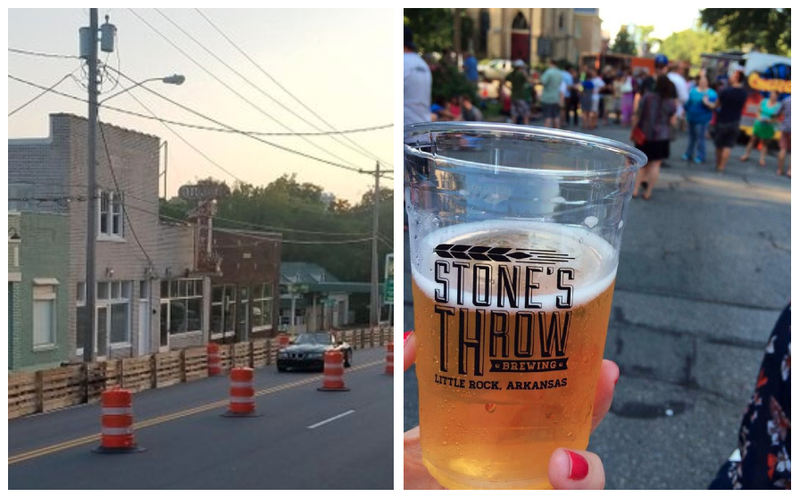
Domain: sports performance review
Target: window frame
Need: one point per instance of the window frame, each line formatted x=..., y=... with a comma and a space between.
x=181, y=290
x=260, y=299
x=110, y=215
x=45, y=292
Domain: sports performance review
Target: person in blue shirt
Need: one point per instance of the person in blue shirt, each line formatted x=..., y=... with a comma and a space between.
x=471, y=69
x=699, y=110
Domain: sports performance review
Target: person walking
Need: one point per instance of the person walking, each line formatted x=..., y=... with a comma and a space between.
x=573, y=98
x=587, y=100
x=607, y=95
x=551, y=98
x=786, y=135
x=682, y=91
x=699, y=110
x=655, y=115
x=565, y=89
x=520, y=85
x=470, y=66
x=729, y=113
x=627, y=90
x=416, y=83
x=764, y=127
x=598, y=84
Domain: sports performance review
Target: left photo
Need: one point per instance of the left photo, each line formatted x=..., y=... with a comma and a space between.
x=200, y=249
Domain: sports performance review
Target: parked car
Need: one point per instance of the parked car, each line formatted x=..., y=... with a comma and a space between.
x=307, y=351
x=495, y=69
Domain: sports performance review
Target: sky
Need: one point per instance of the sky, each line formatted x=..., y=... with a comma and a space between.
x=338, y=63
x=665, y=21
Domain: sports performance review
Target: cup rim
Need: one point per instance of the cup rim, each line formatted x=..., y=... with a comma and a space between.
x=636, y=158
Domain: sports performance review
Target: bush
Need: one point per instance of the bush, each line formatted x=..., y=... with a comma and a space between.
x=448, y=82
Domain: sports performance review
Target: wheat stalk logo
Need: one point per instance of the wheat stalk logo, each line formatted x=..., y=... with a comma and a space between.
x=499, y=254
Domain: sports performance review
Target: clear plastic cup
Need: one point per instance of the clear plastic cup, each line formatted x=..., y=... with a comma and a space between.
x=514, y=241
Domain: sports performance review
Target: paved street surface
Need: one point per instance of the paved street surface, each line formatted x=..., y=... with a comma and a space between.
x=190, y=445
x=703, y=276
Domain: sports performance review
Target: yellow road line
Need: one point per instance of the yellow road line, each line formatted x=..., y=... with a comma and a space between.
x=69, y=444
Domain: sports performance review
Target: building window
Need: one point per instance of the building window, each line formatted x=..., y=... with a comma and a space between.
x=112, y=315
x=44, y=316
x=578, y=30
x=118, y=301
x=223, y=311
x=519, y=22
x=181, y=306
x=561, y=22
x=262, y=307
x=110, y=221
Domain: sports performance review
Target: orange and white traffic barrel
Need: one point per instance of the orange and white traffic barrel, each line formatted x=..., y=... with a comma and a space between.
x=214, y=360
x=242, y=394
x=333, y=377
x=116, y=435
x=389, y=359
x=283, y=341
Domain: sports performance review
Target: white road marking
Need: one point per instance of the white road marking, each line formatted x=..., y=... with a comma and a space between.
x=317, y=425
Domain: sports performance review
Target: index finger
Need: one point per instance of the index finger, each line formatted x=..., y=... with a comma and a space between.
x=409, y=349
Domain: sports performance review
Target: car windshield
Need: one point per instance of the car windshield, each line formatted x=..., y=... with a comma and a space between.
x=313, y=338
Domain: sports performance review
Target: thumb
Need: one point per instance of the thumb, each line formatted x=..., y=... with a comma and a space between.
x=409, y=349
x=576, y=470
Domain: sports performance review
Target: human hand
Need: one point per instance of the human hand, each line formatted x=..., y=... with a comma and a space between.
x=568, y=469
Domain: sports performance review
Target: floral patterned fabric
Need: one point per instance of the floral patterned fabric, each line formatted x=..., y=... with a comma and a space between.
x=765, y=442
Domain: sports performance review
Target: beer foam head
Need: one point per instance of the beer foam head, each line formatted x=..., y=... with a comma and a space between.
x=543, y=246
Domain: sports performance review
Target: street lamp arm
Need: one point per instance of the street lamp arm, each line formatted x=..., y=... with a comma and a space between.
x=175, y=79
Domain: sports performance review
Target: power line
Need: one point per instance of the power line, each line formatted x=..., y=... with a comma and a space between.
x=245, y=133
x=42, y=93
x=184, y=140
x=257, y=87
x=309, y=109
x=42, y=54
x=198, y=126
x=242, y=97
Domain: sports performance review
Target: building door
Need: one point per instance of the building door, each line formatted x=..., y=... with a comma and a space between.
x=144, y=326
x=101, y=332
x=10, y=324
x=520, y=47
x=164, y=334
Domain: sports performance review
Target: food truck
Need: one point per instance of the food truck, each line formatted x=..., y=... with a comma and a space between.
x=763, y=73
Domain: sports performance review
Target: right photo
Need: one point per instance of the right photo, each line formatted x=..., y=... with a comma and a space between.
x=597, y=248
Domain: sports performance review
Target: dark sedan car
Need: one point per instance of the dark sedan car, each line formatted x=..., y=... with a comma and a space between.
x=308, y=351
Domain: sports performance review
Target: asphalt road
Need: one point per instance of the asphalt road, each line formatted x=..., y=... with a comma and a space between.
x=704, y=274
x=304, y=438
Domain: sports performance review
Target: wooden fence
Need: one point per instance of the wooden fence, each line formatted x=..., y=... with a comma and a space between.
x=32, y=392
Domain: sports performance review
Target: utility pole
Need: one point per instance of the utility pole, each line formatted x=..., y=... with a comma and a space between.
x=375, y=306
x=91, y=194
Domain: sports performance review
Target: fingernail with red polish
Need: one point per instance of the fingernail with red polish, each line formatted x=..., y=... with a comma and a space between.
x=579, y=466
x=405, y=337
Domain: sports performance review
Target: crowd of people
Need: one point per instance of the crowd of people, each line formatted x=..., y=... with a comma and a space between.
x=655, y=107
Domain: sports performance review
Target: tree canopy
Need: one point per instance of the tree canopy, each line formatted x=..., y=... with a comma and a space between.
x=432, y=28
x=768, y=30
x=623, y=43
x=689, y=44
x=335, y=235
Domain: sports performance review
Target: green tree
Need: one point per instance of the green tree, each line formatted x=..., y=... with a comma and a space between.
x=432, y=28
x=337, y=237
x=623, y=43
x=766, y=29
x=690, y=44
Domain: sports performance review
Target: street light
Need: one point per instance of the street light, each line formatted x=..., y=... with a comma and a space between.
x=175, y=79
